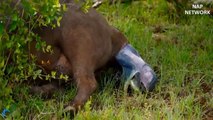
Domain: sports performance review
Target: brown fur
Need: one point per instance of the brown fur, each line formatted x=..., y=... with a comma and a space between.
x=83, y=43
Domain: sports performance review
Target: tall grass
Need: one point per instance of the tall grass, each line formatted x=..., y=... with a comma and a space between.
x=181, y=53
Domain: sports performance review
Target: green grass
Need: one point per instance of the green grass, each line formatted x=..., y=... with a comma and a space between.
x=179, y=50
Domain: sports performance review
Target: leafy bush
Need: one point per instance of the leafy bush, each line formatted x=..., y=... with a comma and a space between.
x=18, y=18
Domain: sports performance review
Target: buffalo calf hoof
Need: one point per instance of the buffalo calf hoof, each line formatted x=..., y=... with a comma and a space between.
x=70, y=110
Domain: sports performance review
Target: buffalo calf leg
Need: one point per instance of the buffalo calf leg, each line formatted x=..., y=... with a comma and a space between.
x=46, y=90
x=86, y=85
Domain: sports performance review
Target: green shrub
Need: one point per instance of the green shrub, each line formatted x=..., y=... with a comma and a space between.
x=18, y=18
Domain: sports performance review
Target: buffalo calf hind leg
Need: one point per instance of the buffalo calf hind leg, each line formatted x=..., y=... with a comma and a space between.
x=86, y=85
x=46, y=90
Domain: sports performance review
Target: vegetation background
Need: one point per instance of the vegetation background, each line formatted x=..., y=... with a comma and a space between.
x=179, y=47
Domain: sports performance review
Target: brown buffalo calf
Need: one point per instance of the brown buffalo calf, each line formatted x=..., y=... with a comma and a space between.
x=83, y=43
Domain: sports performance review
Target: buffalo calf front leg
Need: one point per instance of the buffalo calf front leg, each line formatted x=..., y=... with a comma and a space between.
x=86, y=85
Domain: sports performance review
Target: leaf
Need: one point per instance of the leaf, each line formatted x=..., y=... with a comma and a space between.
x=2, y=64
x=15, y=17
x=9, y=44
x=48, y=20
x=47, y=77
x=61, y=76
x=38, y=46
x=49, y=48
x=66, y=77
x=58, y=21
x=1, y=29
x=64, y=8
x=38, y=72
x=53, y=74
x=13, y=26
